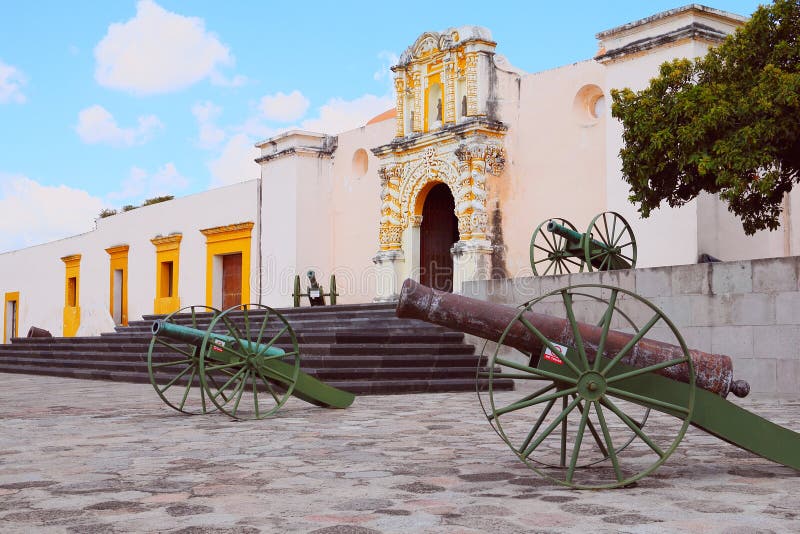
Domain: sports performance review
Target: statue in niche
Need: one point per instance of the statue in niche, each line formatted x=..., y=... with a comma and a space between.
x=439, y=110
x=464, y=106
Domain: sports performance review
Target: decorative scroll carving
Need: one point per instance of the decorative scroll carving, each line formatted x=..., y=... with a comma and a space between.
x=399, y=86
x=472, y=83
x=391, y=218
x=418, y=114
x=450, y=92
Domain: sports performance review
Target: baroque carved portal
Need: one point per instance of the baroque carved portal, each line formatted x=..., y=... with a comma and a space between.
x=464, y=170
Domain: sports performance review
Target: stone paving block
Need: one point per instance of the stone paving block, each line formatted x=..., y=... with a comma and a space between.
x=731, y=277
x=656, y=282
x=711, y=310
x=775, y=274
x=678, y=309
x=734, y=341
x=697, y=337
x=692, y=279
x=623, y=279
x=761, y=373
x=788, y=376
x=787, y=308
x=780, y=342
x=753, y=309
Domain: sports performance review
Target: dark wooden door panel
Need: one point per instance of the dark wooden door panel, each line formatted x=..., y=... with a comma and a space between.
x=438, y=232
x=231, y=280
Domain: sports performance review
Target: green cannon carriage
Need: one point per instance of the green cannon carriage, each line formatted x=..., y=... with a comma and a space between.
x=590, y=363
x=558, y=248
x=238, y=361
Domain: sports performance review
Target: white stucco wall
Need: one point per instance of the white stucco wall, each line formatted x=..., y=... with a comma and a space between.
x=38, y=273
x=555, y=157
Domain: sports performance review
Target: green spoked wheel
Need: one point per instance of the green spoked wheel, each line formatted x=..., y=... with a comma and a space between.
x=549, y=254
x=252, y=375
x=572, y=414
x=638, y=415
x=174, y=366
x=609, y=243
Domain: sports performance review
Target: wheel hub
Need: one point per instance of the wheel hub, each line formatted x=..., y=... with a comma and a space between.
x=591, y=385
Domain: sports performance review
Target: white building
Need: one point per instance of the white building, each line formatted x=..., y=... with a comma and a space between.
x=447, y=187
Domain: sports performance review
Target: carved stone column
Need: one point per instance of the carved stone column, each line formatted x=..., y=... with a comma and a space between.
x=389, y=266
x=399, y=87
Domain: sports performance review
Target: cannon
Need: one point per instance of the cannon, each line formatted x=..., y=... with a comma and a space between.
x=315, y=294
x=558, y=248
x=238, y=360
x=589, y=364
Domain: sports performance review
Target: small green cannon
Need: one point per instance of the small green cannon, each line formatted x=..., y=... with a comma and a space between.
x=589, y=364
x=316, y=296
x=235, y=360
x=558, y=248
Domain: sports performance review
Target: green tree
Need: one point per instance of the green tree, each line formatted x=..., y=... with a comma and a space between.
x=726, y=123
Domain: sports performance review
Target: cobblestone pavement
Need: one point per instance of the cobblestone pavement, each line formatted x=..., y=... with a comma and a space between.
x=83, y=456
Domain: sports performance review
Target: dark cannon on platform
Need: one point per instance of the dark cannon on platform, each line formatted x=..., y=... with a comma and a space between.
x=235, y=360
x=589, y=363
x=316, y=295
x=558, y=248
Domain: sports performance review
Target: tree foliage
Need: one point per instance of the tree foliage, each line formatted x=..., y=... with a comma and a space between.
x=726, y=123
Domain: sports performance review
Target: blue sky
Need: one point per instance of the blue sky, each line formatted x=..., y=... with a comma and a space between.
x=104, y=104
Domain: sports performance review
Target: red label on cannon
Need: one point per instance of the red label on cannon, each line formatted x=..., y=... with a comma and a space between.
x=550, y=356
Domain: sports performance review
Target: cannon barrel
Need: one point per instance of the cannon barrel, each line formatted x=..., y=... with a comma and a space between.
x=192, y=336
x=714, y=372
x=567, y=233
x=575, y=240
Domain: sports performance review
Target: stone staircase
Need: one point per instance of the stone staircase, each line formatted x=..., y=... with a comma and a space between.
x=363, y=348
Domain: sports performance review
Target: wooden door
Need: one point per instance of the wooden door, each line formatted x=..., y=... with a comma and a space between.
x=438, y=233
x=231, y=280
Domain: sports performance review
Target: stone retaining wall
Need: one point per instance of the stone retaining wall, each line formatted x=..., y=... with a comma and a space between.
x=749, y=310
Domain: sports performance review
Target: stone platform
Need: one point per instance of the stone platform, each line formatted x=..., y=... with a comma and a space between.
x=86, y=456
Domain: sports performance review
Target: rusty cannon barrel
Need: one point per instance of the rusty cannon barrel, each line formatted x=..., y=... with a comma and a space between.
x=714, y=372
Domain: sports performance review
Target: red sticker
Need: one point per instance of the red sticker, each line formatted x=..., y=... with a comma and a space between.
x=550, y=357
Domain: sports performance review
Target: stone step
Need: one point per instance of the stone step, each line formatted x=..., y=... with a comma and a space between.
x=362, y=348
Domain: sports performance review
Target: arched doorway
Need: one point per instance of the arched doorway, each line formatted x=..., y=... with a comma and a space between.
x=438, y=232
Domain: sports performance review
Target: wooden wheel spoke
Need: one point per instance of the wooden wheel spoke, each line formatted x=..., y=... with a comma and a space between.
x=592, y=429
x=266, y=346
x=547, y=431
x=535, y=371
x=240, y=387
x=606, y=324
x=255, y=395
x=535, y=331
x=228, y=383
x=269, y=385
x=633, y=426
x=188, y=388
x=174, y=348
x=576, y=450
x=515, y=376
x=263, y=327
x=168, y=364
x=634, y=340
x=233, y=330
x=223, y=366
x=529, y=397
x=644, y=370
x=175, y=379
x=537, y=425
x=650, y=402
x=576, y=334
x=549, y=251
x=532, y=402
x=548, y=268
x=552, y=244
x=611, y=452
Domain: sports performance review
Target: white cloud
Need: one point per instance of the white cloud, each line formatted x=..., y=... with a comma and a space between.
x=140, y=184
x=388, y=60
x=11, y=82
x=339, y=115
x=236, y=163
x=284, y=108
x=158, y=51
x=209, y=134
x=34, y=213
x=97, y=125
